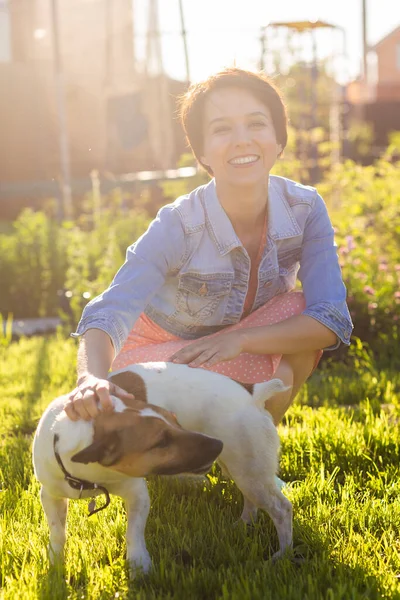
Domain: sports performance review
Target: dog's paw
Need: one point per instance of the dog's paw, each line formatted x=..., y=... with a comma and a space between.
x=246, y=524
x=139, y=562
x=283, y=553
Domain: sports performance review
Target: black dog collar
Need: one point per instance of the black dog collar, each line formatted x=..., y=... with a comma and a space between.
x=81, y=484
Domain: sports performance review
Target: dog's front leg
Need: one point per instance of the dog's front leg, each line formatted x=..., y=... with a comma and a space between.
x=137, y=502
x=56, y=513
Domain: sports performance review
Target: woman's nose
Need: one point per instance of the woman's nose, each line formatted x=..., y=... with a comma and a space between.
x=241, y=135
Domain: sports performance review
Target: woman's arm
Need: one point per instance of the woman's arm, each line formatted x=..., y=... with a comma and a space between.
x=321, y=277
x=107, y=320
x=299, y=333
x=95, y=356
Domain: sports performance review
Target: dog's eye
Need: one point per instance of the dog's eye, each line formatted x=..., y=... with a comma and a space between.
x=164, y=441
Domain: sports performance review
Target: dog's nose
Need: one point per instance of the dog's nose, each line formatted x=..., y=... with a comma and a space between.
x=217, y=446
x=212, y=449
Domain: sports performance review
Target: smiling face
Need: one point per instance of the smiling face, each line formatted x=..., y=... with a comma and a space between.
x=239, y=138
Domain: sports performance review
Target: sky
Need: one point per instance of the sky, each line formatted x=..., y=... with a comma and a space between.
x=226, y=32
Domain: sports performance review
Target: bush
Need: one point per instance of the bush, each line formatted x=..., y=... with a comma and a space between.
x=32, y=266
x=41, y=261
x=365, y=208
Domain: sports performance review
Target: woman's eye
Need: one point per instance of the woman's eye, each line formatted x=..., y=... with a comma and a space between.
x=258, y=124
x=222, y=129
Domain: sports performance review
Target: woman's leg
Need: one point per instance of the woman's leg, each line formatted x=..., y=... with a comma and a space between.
x=294, y=370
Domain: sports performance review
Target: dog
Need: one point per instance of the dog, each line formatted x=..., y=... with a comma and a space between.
x=180, y=421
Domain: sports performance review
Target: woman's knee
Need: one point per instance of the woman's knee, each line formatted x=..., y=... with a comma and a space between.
x=285, y=371
x=302, y=363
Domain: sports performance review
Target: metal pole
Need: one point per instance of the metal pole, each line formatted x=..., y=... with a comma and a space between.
x=262, y=49
x=185, y=48
x=365, y=41
x=314, y=170
x=108, y=22
x=343, y=111
x=66, y=206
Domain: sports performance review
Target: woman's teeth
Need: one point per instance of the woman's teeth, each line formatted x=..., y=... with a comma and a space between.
x=243, y=160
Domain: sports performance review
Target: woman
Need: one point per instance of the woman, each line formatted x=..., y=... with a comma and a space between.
x=219, y=265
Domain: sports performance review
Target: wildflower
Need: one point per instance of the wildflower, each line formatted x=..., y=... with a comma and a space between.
x=383, y=267
x=350, y=242
x=369, y=290
x=372, y=306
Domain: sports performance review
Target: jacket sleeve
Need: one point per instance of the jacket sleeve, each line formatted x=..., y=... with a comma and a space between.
x=321, y=277
x=159, y=251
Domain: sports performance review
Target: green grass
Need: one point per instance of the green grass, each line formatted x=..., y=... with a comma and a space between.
x=340, y=453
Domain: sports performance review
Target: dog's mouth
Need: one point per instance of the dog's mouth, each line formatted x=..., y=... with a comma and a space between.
x=203, y=469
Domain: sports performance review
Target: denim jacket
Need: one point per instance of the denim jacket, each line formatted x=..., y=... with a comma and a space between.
x=189, y=272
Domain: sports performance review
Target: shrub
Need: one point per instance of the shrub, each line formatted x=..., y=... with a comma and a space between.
x=32, y=266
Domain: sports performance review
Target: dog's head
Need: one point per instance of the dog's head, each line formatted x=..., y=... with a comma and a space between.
x=148, y=440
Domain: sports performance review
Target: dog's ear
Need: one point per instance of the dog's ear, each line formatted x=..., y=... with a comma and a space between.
x=106, y=451
x=131, y=383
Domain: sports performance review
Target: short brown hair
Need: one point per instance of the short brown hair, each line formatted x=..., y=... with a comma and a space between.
x=191, y=106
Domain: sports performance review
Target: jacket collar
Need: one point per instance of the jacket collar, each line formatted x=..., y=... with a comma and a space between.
x=281, y=220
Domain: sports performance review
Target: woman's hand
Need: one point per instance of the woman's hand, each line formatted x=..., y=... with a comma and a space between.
x=211, y=350
x=83, y=400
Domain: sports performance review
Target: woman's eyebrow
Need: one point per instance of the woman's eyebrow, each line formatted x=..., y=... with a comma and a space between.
x=217, y=119
x=258, y=113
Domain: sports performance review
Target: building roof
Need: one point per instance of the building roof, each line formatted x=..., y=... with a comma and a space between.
x=396, y=30
x=302, y=25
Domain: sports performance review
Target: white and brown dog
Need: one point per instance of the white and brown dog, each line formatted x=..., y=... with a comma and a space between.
x=216, y=418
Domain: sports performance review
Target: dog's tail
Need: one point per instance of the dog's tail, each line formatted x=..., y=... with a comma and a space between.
x=267, y=389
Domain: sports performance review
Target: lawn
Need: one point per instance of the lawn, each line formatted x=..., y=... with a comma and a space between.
x=340, y=455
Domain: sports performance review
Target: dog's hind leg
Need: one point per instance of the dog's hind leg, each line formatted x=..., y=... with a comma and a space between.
x=270, y=498
x=56, y=514
x=280, y=510
x=249, y=512
x=252, y=464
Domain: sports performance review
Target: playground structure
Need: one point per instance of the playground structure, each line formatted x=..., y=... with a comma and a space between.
x=286, y=44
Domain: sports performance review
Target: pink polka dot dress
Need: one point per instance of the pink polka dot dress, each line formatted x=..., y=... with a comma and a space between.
x=148, y=342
